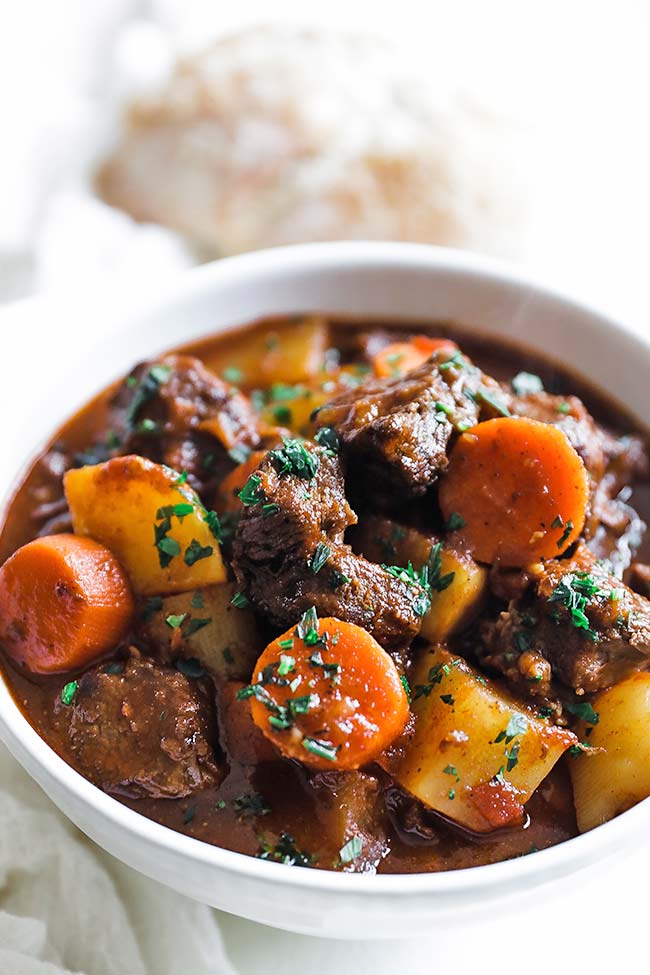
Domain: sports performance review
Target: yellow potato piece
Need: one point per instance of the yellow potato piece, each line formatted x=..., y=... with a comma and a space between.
x=609, y=782
x=477, y=754
x=224, y=638
x=453, y=608
x=119, y=504
x=292, y=353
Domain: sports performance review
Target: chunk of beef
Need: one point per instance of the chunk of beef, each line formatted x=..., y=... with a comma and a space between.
x=289, y=554
x=575, y=623
x=145, y=731
x=395, y=432
x=175, y=411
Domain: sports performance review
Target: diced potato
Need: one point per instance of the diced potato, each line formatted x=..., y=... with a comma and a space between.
x=609, y=782
x=477, y=755
x=293, y=406
x=120, y=504
x=287, y=354
x=454, y=607
x=224, y=638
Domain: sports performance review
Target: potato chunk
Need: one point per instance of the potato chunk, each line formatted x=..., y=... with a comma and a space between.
x=157, y=528
x=288, y=354
x=608, y=782
x=477, y=755
x=205, y=624
x=459, y=584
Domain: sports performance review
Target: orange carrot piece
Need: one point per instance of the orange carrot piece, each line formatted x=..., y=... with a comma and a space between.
x=64, y=600
x=515, y=491
x=235, y=480
x=399, y=358
x=331, y=698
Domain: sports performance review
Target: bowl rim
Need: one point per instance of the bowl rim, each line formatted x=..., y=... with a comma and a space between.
x=24, y=742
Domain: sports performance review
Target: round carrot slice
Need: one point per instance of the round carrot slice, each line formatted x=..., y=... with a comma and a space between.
x=515, y=491
x=325, y=693
x=64, y=600
x=398, y=358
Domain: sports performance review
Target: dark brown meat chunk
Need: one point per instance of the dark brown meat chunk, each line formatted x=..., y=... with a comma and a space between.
x=298, y=518
x=176, y=412
x=146, y=731
x=576, y=624
x=395, y=432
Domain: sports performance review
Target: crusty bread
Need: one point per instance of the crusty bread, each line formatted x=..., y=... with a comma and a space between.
x=278, y=135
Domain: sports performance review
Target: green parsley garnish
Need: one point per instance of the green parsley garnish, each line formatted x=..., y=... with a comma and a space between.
x=195, y=552
x=146, y=390
x=190, y=667
x=251, y=493
x=294, y=458
x=239, y=453
x=573, y=592
x=232, y=374
x=323, y=749
x=175, y=621
x=327, y=437
x=68, y=692
x=351, y=850
x=407, y=689
x=196, y=624
x=567, y=531
x=584, y=711
x=454, y=522
x=527, y=383
x=321, y=554
x=286, y=851
x=240, y=600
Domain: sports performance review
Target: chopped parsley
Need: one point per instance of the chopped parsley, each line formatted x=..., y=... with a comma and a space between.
x=457, y=361
x=321, y=554
x=68, y=692
x=190, y=667
x=527, y=383
x=189, y=815
x=174, y=621
x=145, y=391
x=153, y=604
x=196, y=624
x=565, y=534
x=517, y=725
x=232, y=374
x=251, y=493
x=195, y=552
x=563, y=408
x=116, y=667
x=448, y=699
x=407, y=689
x=454, y=522
x=294, y=458
x=286, y=665
x=327, y=437
x=584, y=711
x=322, y=749
x=286, y=851
x=239, y=453
x=351, y=850
x=240, y=600
x=251, y=804
x=197, y=600
x=489, y=398
x=573, y=592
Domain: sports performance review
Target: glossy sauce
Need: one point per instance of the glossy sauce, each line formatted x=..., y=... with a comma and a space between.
x=298, y=804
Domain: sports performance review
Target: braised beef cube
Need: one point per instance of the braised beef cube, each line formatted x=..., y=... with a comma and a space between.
x=141, y=730
x=576, y=623
x=395, y=432
x=289, y=554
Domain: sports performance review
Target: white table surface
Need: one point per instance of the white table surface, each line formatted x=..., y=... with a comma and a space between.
x=597, y=926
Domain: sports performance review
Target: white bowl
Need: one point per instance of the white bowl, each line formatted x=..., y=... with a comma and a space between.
x=387, y=280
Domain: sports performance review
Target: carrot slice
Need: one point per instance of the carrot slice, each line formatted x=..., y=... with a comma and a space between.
x=515, y=491
x=64, y=600
x=325, y=693
x=399, y=358
x=234, y=481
